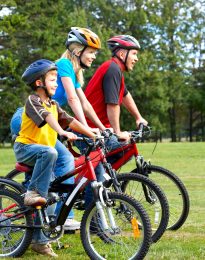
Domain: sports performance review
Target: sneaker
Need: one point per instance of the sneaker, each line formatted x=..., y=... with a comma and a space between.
x=43, y=249
x=32, y=198
x=71, y=224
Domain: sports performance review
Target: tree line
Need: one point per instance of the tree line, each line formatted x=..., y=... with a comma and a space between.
x=168, y=82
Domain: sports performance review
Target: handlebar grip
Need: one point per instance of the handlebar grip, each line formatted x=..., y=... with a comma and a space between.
x=141, y=126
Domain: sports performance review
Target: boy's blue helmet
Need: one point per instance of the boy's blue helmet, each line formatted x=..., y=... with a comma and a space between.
x=37, y=69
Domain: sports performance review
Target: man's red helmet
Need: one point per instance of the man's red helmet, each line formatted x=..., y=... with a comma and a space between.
x=122, y=42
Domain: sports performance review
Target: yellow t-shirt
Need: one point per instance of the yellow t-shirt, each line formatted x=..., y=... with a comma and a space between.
x=34, y=128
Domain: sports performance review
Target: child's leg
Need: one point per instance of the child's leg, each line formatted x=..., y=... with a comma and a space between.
x=43, y=158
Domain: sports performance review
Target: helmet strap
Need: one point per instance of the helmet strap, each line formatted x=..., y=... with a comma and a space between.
x=125, y=61
x=83, y=66
x=44, y=87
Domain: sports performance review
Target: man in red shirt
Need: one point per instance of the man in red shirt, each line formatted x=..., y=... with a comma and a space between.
x=106, y=91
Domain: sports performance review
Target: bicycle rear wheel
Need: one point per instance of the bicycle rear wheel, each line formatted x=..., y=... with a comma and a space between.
x=175, y=191
x=15, y=236
x=19, y=176
x=152, y=199
x=127, y=241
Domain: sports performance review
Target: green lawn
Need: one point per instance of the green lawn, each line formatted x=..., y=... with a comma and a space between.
x=187, y=160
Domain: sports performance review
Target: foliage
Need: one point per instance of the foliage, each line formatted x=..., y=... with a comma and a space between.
x=164, y=82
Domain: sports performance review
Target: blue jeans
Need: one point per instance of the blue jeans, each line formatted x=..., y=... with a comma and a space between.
x=64, y=164
x=43, y=158
x=99, y=170
x=111, y=144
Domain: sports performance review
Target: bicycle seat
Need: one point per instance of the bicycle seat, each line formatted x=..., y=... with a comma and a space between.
x=22, y=167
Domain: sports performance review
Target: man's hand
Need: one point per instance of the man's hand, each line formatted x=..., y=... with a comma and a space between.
x=110, y=129
x=125, y=136
x=141, y=120
x=95, y=130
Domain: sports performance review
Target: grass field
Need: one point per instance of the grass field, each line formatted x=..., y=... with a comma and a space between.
x=187, y=160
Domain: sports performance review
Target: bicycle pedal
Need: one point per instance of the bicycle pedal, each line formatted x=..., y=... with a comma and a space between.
x=60, y=247
x=69, y=231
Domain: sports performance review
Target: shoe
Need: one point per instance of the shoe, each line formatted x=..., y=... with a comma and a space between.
x=71, y=224
x=32, y=198
x=44, y=249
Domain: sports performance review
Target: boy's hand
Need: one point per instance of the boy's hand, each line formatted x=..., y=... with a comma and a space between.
x=71, y=136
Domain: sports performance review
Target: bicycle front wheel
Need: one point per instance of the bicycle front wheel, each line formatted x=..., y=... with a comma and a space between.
x=175, y=192
x=131, y=237
x=15, y=236
x=151, y=198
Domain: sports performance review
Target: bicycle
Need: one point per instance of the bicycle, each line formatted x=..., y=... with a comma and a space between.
x=170, y=183
x=114, y=224
x=148, y=193
x=174, y=189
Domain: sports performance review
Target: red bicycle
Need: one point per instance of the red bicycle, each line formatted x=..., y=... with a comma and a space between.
x=113, y=224
x=171, y=184
x=146, y=191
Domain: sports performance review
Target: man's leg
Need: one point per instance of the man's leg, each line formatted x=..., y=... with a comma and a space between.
x=64, y=164
x=99, y=171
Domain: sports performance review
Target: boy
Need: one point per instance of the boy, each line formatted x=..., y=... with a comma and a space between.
x=42, y=120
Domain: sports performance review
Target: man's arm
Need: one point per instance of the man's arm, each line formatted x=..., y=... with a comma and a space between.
x=113, y=113
x=130, y=105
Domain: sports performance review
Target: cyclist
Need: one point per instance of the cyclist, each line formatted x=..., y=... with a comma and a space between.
x=42, y=120
x=108, y=85
x=82, y=45
x=81, y=48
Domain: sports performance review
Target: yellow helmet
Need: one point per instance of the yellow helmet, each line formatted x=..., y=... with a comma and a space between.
x=83, y=36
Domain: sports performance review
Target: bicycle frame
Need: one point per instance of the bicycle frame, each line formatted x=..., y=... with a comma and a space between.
x=128, y=150
x=84, y=173
x=84, y=170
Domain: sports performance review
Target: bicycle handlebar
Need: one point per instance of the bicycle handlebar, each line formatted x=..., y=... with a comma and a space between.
x=139, y=134
x=106, y=134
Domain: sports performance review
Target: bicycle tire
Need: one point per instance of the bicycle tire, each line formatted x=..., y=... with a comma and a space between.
x=17, y=176
x=177, y=219
x=97, y=249
x=157, y=206
x=11, y=185
x=10, y=202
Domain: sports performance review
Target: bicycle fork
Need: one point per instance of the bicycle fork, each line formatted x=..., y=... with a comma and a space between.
x=103, y=204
